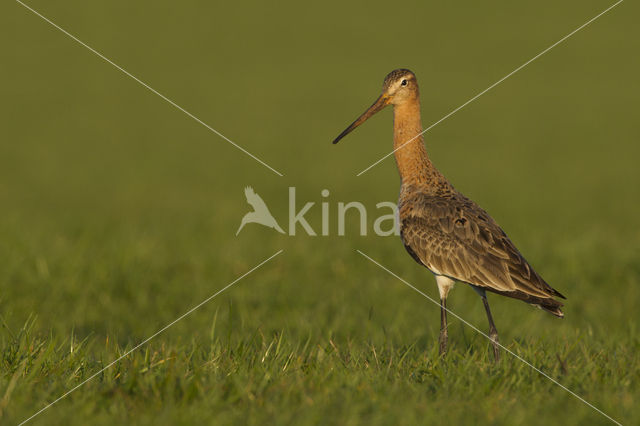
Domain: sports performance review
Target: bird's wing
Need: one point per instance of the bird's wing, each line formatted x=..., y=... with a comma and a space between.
x=455, y=237
x=253, y=198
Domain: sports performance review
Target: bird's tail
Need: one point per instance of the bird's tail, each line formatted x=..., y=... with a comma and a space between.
x=552, y=306
x=548, y=304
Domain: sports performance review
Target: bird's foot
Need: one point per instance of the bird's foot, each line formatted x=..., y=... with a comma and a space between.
x=443, y=343
x=496, y=347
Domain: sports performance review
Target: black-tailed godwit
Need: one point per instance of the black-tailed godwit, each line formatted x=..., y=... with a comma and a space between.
x=442, y=229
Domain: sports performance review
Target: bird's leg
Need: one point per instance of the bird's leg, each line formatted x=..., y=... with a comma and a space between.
x=443, y=326
x=493, y=331
x=445, y=284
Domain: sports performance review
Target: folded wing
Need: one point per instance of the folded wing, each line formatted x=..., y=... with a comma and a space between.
x=455, y=237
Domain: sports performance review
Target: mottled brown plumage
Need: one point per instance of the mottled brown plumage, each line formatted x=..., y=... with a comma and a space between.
x=454, y=237
x=441, y=228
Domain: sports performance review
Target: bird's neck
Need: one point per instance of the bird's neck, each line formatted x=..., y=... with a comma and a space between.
x=411, y=156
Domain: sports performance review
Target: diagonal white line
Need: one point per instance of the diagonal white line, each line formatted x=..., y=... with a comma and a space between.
x=485, y=335
x=152, y=336
x=493, y=85
x=145, y=85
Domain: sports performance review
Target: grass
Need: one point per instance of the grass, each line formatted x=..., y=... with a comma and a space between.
x=118, y=214
x=257, y=379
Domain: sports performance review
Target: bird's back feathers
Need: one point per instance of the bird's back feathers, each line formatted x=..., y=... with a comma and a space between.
x=452, y=236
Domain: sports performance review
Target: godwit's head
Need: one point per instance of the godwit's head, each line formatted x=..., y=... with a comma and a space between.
x=400, y=86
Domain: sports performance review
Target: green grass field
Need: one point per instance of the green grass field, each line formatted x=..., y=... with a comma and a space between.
x=118, y=213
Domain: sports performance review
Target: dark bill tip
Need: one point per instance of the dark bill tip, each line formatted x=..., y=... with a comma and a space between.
x=340, y=136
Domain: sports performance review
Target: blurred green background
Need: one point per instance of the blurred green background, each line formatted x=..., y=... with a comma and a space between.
x=118, y=212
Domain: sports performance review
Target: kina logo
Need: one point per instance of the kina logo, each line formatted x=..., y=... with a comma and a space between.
x=260, y=213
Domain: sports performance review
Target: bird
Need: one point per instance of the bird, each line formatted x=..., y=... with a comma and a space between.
x=260, y=213
x=445, y=231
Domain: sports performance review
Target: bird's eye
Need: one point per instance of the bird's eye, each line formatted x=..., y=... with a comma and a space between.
x=404, y=82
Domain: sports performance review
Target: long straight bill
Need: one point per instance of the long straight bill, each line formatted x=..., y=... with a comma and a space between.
x=380, y=103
